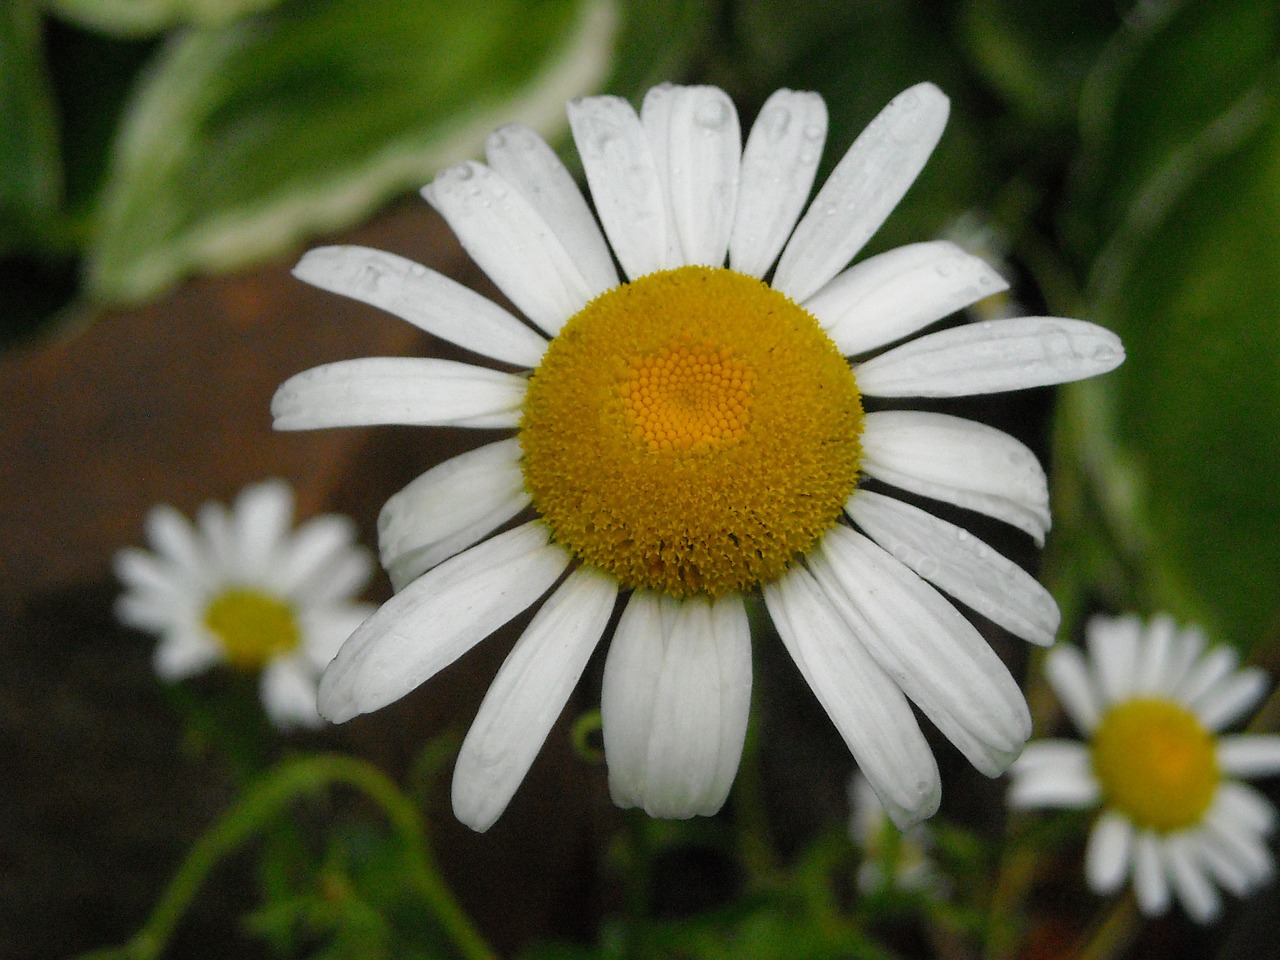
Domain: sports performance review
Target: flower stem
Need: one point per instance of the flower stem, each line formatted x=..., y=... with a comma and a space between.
x=264, y=801
x=1114, y=934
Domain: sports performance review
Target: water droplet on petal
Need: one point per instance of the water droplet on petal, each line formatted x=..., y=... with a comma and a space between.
x=776, y=123
x=712, y=113
x=1056, y=346
x=370, y=278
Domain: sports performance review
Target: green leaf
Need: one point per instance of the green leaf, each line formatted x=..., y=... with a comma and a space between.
x=1171, y=75
x=30, y=167
x=248, y=138
x=1037, y=52
x=1175, y=213
x=1183, y=437
x=656, y=42
x=128, y=18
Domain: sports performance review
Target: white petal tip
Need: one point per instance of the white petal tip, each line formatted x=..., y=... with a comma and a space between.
x=319, y=263
x=473, y=809
x=334, y=701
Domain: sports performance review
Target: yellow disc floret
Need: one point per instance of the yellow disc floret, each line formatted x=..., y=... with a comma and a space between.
x=253, y=627
x=1156, y=763
x=692, y=431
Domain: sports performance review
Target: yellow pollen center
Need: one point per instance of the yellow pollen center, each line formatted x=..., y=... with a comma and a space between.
x=688, y=395
x=692, y=431
x=1156, y=763
x=253, y=627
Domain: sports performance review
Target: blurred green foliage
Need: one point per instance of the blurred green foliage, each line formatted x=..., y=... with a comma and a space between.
x=1174, y=216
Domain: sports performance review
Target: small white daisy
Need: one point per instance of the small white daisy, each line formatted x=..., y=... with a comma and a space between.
x=694, y=433
x=1153, y=703
x=240, y=587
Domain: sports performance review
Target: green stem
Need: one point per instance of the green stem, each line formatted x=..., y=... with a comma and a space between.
x=266, y=800
x=1114, y=934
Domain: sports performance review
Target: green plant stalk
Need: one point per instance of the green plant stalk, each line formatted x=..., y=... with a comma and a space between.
x=264, y=801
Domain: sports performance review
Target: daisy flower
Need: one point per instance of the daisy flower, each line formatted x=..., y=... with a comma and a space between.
x=240, y=587
x=1153, y=703
x=688, y=433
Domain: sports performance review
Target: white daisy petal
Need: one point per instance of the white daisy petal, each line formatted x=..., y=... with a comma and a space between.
x=260, y=523
x=412, y=391
x=866, y=706
x=1108, y=853
x=1113, y=647
x=1236, y=844
x=1230, y=698
x=927, y=647
x=174, y=538
x=326, y=629
x=312, y=546
x=697, y=148
x=289, y=694
x=1050, y=752
x=214, y=521
x=528, y=694
x=655, y=118
x=628, y=694
x=449, y=508
x=1194, y=890
x=624, y=182
x=674, y=703
x=1250, y=755
x=144, y=611
x=338, y=581
x=1069, y=675
x=1206, y=673
x=1240, y=804
x=958, y=461
x=511, y=243
x=1154, y=657
x=526, y=162
x=1053, y=774
x=991, y=357
x=439, y=617
x=426, y=299
x=1053, y=788
x=899, y=292
x=1150, y=882
x=959, y=563
x=1185, y=650
x=183, y=653
x=779, y=162
x=320, y=565
x=153, y=577
x=862, y=190
x=1219, y=859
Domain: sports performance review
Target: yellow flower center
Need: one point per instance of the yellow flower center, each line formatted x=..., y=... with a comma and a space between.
x=693, y=431
x=253, y=627
x=1156, y=763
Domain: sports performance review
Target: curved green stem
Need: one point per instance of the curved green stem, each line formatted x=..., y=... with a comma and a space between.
x=266, y=800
